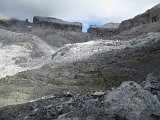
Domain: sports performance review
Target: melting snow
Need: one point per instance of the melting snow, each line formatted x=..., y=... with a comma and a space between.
x=21, y=52
x=7, y=56
x=79, y=51
x=16, y=50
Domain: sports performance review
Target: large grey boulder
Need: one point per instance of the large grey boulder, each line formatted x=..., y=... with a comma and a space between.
x=130, y=102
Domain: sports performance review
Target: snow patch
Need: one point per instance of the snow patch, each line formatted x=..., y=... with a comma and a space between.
x=21, y=52
x=80, y=51
x=7, y=59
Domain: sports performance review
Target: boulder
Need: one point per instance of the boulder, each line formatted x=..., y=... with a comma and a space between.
x=130, y=102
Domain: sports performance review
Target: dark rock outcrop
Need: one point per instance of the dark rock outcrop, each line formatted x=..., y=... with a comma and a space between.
x=105, y=30
x=150, y=16
x=54, y=23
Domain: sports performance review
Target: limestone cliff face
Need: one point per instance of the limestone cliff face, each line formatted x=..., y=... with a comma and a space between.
x=151, y=15
x=105, y=30
x=54, y=23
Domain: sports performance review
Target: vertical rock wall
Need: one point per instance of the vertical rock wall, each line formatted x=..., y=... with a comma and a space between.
x=54, y=23
x=151, y=15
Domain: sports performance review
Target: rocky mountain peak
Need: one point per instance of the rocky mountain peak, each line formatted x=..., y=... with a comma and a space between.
x=54, y=23
x=150, y=16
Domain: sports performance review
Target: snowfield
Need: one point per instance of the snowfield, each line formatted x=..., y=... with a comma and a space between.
x=21, y=51
x=80, y=51
x=8, y=56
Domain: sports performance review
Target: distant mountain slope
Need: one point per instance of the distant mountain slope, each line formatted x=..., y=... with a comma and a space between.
x=51, y=30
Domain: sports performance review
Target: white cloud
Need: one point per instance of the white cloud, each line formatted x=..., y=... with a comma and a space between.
x=82, y=10
x=2, y=16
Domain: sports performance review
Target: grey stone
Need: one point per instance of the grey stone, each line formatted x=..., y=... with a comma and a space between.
x=129, y=101
x=98, y=94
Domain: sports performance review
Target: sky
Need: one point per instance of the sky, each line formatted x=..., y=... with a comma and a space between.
x=88, y=12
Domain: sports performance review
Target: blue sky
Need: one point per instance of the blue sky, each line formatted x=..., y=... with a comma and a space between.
x=91, y=21
x=95, y=12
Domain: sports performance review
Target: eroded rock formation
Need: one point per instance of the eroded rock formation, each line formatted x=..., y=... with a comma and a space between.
x=105, y=30
x=54, y=23
x=150, y=16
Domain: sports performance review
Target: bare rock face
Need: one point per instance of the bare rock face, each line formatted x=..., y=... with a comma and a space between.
x=150, y=16
x=54, y=23
x=105, y=30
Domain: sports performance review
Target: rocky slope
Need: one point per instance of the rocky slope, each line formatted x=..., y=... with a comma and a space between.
x=82, y=67
x=130, y=101
x=57, y=32
x=58, y=38
x=150, y=16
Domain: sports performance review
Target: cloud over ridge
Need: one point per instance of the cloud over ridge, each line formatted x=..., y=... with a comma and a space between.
x=76, y=10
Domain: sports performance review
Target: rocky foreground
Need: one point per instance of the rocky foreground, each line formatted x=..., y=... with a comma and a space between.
x=130, y=101
x=51, y=70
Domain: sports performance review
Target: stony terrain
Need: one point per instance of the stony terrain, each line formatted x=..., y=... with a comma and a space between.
x=130, y=101
x=94, y=65
x=53, y=73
